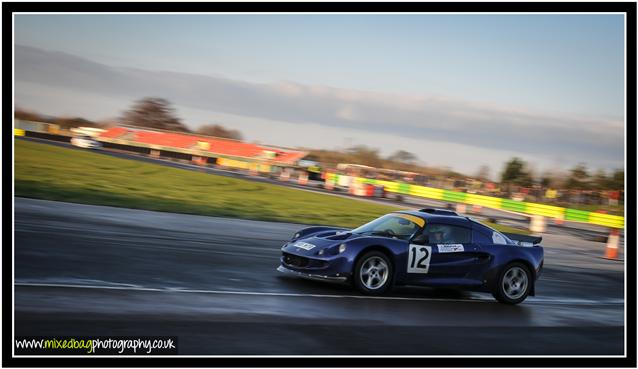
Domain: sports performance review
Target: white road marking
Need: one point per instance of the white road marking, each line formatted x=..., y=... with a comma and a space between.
x=531, y=300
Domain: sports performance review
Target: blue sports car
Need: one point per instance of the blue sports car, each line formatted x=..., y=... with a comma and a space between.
x=428, y=247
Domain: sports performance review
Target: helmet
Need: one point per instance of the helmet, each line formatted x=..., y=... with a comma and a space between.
x=439, y=231
x=434, y=228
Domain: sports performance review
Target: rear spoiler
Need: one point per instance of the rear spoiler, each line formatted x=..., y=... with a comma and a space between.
x=524, y=240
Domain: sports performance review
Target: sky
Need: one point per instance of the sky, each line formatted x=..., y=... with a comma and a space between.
x=459, y=91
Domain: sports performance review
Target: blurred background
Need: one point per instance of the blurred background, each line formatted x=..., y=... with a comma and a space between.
x=151, y=127
x=131, y=127
x=448, y=101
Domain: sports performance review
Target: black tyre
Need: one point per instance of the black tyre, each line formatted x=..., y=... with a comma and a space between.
x=373, y=273
x=514, y=284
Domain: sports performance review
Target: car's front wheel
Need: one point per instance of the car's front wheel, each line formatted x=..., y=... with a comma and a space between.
x=373, y=273
x=514, y=284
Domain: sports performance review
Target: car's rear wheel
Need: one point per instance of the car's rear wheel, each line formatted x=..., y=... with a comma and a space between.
x=514, y=284
x=373, y=273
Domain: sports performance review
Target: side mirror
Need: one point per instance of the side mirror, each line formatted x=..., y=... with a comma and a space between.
x=421, y=239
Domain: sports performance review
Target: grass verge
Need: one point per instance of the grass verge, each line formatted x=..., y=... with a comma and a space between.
x=62, y=174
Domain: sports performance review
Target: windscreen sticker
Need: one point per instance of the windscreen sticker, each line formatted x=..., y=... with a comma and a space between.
x=304, y=245
x=419, y=258
x=450, y=248
x=419, y=221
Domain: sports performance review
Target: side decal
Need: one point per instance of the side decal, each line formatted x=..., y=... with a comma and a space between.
x=450, y=248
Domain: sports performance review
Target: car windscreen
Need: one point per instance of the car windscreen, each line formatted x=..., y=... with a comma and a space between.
x=401, y=226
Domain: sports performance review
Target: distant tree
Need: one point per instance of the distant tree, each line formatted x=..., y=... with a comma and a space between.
x=153, y=112
x=67, y=123
x=578, y=178
x=600, y=181
x=483, y=173
x=219, y=131
x=547, y=180
x=27, y=115
x=617, y=180
x=402, y=156
x=108, y=122
x=516, y=173
x=63, y=122
x=364, y=155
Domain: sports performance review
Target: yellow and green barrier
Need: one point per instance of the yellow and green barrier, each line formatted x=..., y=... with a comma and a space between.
x=612, y=221
x=576, y=215
x=454, y=196
x=485, y=201
x=428, y=192
x=511, y=205
x=545, y=210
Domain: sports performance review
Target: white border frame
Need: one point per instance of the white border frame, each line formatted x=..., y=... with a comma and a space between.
x=309, y=13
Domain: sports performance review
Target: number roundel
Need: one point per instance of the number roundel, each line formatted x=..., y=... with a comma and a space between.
x=419, y=258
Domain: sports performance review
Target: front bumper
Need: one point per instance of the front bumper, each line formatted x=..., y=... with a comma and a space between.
x=316, y=277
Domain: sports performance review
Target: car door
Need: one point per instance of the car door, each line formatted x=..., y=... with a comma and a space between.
x=449, y=255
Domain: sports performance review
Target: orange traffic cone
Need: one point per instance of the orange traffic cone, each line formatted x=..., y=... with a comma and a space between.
x=560, y=220
x=537, y=224
x=611, y=251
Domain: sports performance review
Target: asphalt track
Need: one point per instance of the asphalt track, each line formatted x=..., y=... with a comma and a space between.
x=83, y=270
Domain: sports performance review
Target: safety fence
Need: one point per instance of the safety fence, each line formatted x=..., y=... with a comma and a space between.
x=556, y=212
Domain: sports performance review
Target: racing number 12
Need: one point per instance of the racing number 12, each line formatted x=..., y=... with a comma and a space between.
x=419, y=264
x=419, y=258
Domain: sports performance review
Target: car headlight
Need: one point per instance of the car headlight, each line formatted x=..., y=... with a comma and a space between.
x=321, y=252
x=342, y=248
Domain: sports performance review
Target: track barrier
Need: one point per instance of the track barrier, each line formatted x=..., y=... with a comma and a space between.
x=529, y=208
x=253, y=169
x=329, y=182
x=303, y=178
x=361, y=190
x=199, y=160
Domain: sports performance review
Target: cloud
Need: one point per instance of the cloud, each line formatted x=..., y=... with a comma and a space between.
x=347, y=113
x=420, y=117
